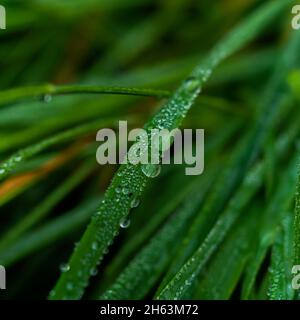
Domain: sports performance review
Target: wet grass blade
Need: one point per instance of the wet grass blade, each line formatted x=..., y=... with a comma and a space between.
x=282, y=262
x=228, y=262
x=170, y=200
x=278, y=207
x=131, y=179
x=297, y=223
x=276, y=96
x=181, y=284
x=146, y=268
x=47, y=91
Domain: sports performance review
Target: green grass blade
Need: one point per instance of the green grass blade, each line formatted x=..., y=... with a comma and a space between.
x=145, y=269
x=282, y=262
x=180, y=284
x=116, y=206
x=276, y=96
x=169, y=201
x=48, y=234
x=7, y=166
x=46, y=206
x=228, y=263
x=279, y=205
x=48, y=90
x=297, y=223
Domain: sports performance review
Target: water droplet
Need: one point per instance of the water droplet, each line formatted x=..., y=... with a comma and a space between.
x=52, y=293
x=134, y=203
x=64, y=267
x=18, y=158
x=118, y=190
x=94, y=272
x=47, y=98
x=69, y=286
x=192, y=84
x=94, y=246
x=151, y=170
x=125, y=190
x=125, y=223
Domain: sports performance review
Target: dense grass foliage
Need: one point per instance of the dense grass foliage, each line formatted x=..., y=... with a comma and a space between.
x=79, y=230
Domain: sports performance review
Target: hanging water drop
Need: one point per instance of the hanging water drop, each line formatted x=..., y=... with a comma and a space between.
x=192, y=84
x=18, y=158
x=125, y=223
x=118, y=190
x=69, y=286
x=94, y=245
x=64, y=267
x=52, y=293
x=134, y=203
x=93, y=272
x=151, y=170
x=125, y=190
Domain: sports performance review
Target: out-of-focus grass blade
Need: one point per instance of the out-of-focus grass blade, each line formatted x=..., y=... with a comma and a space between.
x=48, y=234
x=7, y=166
x=116, y=205
x=47, y=91
x=163, y=73
x=140, y=37
x=45, y=207
x=16, y=185
x=270, y=165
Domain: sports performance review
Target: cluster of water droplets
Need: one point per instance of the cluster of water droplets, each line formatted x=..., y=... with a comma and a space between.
x=126, y=194
x=7, y=166
x=275, y=282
